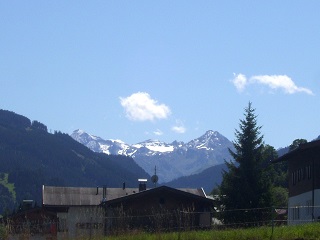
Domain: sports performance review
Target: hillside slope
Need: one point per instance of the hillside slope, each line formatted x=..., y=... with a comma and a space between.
x=207, y=179
x=31, y=157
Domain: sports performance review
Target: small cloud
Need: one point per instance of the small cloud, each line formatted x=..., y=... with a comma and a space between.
x=179, y=127
x=272, y=81
x=240, y=82
x=141, y=107
x=158, y=132
x=280, y=82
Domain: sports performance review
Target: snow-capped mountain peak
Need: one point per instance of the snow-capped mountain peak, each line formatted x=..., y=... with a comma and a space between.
x=155, y=145
x=83, y=137
x=172, y=160
x=210, y=140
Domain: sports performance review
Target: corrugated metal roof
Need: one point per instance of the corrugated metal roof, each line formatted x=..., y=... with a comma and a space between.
x=84, y=196
x=76, y=196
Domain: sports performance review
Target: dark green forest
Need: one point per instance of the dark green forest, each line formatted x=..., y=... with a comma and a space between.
x=31, y=157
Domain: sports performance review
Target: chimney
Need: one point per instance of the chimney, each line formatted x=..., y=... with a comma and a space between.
x=123, y=185
x=142, y=184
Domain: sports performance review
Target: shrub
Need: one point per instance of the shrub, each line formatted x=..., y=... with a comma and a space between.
x=3, y=232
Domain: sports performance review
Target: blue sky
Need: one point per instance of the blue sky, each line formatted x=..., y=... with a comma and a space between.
x=167, y=70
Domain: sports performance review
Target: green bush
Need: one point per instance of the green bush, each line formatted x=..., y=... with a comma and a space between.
x=3, y=232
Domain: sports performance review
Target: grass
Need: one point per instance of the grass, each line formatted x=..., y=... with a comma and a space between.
x=9, y=186
x=300, y=232
x=309, y=231
x=3, y=232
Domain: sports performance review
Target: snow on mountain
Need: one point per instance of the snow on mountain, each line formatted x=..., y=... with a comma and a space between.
x=97, y=144
x=155, y=145
x=172, y=160
x=210, y=140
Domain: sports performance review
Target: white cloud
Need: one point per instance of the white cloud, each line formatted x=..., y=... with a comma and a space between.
x=179, y=127
x=280, y=82
x=141, y=107
x=274, y=82
x=239, y=81
x=158, y=132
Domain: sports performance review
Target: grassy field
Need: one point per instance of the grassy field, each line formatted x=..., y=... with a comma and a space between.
x=300, y=232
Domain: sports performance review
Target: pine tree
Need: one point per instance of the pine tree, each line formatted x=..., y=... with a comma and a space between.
x=245, y=185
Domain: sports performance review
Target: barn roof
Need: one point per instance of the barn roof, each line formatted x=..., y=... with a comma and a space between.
x=85, y=196
x=302, y=148
x=196, y=194
x=76, y=196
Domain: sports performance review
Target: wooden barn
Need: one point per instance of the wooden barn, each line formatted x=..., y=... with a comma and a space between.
x=161, y=208
x=78, y=209
x=86, y=212
x=304, y=183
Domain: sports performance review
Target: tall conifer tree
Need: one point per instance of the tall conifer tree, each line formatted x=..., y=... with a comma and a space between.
x=245, y=185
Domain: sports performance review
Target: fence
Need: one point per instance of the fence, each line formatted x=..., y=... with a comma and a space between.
x=168, y=221
x=253, y=217
x=157, y=221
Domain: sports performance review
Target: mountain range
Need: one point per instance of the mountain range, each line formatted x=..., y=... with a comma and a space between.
x=172, y=160
x=31, y=157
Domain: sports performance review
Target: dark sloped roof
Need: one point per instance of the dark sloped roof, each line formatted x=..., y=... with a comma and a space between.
x=198, y=194
x=84, y=196
x=299, y=150
x=196, y=191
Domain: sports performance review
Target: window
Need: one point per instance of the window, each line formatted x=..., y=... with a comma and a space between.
x=299, y=175
x=293, y=178
x=309, y=174
x=303, y=173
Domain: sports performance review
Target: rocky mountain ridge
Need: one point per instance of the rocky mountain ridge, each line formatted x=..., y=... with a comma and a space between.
x=173, y=160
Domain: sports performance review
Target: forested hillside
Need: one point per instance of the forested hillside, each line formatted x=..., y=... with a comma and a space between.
x=207, y=179
x=31, y=157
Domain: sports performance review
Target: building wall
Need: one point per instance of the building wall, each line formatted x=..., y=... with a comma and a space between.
x=81, y=222
x=162, y=209
x=164, y=200
x=300, y=175
x=300, y=208
x=303, y=170
x=304, y=182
